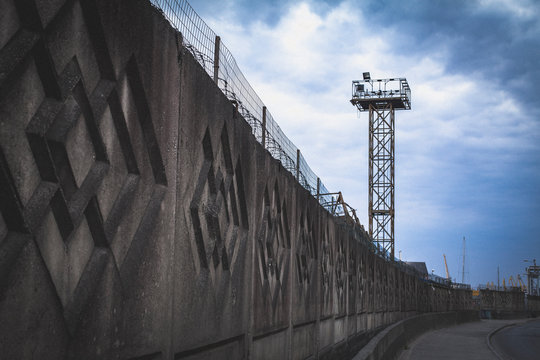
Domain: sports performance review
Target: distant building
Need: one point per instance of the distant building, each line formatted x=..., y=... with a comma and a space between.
x=419, y=266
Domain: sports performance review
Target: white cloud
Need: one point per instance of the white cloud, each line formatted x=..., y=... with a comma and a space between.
x=302, y=67
x=462, y=129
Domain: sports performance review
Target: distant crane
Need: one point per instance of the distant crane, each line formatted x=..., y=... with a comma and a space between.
x=521, y=284
x=446, y=266
x=381, y=97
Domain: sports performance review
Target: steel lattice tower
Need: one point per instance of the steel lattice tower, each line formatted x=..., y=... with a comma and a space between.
x=381, y=98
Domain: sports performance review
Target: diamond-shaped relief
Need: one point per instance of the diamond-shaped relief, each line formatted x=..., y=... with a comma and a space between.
x=131, y=179
x=340, y=271
x=65, y=262
x=112, y=183
x=51, y=133
x=352, y=273
x=79, y=44
x=370, y=288
x=379, y=284
x=273, y=245
x=50, y=177
x=361, y=280
x=67, y=145
x=306, y=252
x=218, y=212
x=16, y=110
x=326, y=267
x=67, y=150
x=80, y=151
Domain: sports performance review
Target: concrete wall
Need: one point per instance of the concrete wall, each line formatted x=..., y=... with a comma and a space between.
x=506, y=304
x=493, y=300
x=533, y=305
x=140, y=219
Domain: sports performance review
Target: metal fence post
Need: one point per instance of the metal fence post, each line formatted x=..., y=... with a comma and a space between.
x=216, y=58
x=264, y=128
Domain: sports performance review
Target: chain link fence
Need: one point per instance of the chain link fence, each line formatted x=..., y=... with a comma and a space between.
x=220, y=64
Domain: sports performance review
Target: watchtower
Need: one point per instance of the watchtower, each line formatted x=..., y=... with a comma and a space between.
x=381, y=97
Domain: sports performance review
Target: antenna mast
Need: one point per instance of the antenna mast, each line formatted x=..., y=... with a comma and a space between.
x=381, y=98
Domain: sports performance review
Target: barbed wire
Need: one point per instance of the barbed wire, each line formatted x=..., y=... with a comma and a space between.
x=200, y=40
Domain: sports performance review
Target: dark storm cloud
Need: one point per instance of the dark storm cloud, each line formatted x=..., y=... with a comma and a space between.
x=489, y=41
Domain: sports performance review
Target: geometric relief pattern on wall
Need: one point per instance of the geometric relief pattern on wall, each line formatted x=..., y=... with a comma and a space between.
x=407, y=294
x=352, y=275
x=361, y=280
x=384, y=289
x=379, y=284
x=273, y=246
x=327, y=265
x=392, y=287
x=371, y=284
x=218, y=212
x=66, y=146
x=395, y=277
x=306, y=252
x=340, y=273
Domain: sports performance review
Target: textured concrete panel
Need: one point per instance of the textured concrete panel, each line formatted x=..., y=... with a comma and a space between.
x=273, y=346
x=304, y=341
x=272, y=262
x=212, y=251
x=56, y=90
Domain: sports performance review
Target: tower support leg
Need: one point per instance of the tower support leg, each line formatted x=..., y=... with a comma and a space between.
x=381, y=177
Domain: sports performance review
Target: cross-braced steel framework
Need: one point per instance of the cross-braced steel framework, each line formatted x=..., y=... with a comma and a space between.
x=381, y=98
x=533, y=279
x=381, y=175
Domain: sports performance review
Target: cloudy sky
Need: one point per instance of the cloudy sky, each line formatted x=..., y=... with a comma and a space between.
x=467, y=154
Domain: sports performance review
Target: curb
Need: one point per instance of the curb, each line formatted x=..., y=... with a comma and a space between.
x=388, y=343
x=492, y=333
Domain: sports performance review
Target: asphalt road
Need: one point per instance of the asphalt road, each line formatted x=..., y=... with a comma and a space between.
x=461, y=342
x=518, y=342
x=469, y=341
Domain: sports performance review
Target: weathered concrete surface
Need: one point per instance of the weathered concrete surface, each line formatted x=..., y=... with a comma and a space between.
x=533, y=305
x=140, y=219
x=88, y=159
x=494, y=304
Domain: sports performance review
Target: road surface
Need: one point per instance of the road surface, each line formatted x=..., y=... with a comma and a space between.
x=518, y=342
x=461, y=342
